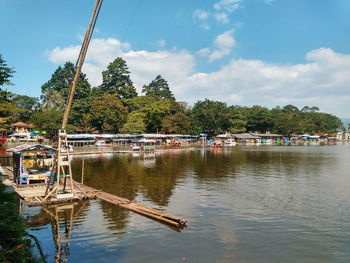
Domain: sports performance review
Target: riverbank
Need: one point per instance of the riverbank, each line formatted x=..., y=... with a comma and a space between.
x=15, y=244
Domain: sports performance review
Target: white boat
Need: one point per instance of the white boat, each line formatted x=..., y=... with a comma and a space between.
x=229, y=143
x=100, y=143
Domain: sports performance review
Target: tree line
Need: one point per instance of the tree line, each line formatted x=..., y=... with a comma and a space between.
x=116, y=107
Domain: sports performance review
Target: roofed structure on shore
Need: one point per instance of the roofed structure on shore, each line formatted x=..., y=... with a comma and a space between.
x=267, y=135
x=244, y=136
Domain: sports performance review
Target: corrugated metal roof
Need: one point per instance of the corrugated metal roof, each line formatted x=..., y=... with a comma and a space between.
x=30, y=147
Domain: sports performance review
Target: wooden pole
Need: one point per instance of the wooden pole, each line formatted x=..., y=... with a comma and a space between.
x=82, y=172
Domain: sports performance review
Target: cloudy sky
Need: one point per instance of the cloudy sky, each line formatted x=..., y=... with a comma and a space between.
x=243, y=52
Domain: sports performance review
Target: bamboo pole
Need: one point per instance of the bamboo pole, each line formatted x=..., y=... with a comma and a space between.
x=82, y=172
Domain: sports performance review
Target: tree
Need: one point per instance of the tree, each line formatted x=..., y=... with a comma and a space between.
x=48, y=120
x=55, y=93
x=5, y=72
x=211, y=116
x=153, y=110
x=107, y=113
x=176, y=123
x=27, y=104
x=61, y=81
x=238, y=120
x=135, y=123
x=116, y=80
x=158, y=88
x=259, y=119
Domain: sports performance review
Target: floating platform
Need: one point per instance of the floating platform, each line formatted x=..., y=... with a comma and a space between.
x=34, y=195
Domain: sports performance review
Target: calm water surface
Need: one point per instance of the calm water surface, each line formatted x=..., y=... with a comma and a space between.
x=244, y=204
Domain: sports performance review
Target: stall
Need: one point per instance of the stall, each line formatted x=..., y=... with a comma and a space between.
x=32, y=163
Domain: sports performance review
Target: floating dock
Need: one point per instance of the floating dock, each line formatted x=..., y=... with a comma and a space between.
x=34, y=195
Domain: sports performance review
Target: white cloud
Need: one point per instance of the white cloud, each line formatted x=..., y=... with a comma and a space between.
x=144, y=65
x=221, y=18
x=323, y=80
x=228, y=5
x=200, y=14
x=204, y=52
x=223, y=44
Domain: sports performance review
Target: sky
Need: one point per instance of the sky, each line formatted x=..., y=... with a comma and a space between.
x=242, y=52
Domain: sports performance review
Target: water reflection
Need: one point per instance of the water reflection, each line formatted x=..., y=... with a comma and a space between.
x=266, y=204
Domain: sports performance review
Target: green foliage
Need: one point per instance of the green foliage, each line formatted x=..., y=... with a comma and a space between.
x=15, y=107
x=55, y=93
x=155, y=112
x=238, y=119
x=5, y=72
x=212, y=117
x=48, y=120
x=114, y=106
x=116, y=80
x=107, y=113
x=258, y=119
x=27, y=104
x=153, y=109
x=135, y=123
x=14, y=243
x=158, y=88
x=177, y=123
x=61, y=81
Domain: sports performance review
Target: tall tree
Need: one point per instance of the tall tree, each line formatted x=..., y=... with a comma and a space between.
x=116, y=80
x=211, y=116
x=159, y=88
x=259, y=119
x=48, y=120
x=27, y=104
x=135, y=123
x=176, y=123
x=108, y=113
x=55, y=93
x=61, y=81
x=5, y=72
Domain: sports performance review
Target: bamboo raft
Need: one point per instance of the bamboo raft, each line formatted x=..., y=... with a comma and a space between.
x=34, y=195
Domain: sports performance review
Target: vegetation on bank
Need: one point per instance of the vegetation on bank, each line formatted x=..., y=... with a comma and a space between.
x=15, y=245
x=114, y=106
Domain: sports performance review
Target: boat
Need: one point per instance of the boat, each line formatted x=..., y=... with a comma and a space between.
x=229, y=143
x=100, y=143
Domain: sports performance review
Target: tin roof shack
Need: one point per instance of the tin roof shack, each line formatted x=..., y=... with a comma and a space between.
x=269, y=138
x=32, y=163
x=147, y=145
x=245, y=138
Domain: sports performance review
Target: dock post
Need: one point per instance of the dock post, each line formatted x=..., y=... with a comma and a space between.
x=82, y=172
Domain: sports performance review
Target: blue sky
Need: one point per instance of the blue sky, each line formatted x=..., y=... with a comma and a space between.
x=245, y=52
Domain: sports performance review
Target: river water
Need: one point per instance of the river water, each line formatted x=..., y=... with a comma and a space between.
x=243, y=204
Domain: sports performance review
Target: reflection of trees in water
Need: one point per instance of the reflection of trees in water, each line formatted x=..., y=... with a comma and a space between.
x=125, y=175
x=216, y=164
x=157, y=183
x=115, y=215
